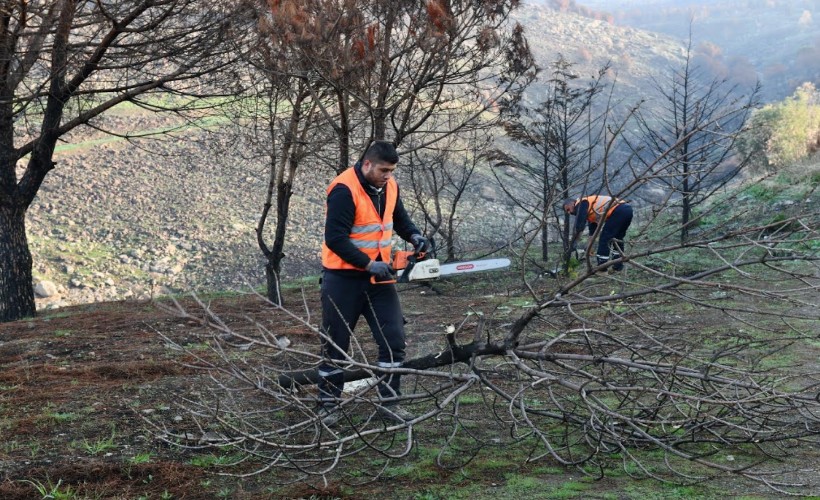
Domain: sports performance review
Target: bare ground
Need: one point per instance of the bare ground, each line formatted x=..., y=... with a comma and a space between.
x=78, y=385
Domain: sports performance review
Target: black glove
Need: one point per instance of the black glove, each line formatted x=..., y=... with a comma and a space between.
x=420, y=243
x=380, y=270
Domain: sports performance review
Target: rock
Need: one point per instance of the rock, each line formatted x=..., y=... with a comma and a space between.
x=45, y=289
x=489, y=193
x=782, y=205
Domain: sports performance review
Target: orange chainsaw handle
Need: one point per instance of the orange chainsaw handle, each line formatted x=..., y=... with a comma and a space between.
x=404, y=258
x=374, y=281
x=401, y=260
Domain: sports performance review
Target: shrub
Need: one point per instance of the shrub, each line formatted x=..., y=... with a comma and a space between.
x=784, y=133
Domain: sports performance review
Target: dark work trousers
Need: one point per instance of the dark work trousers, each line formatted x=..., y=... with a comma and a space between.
x=344, y=300
x=612, y=235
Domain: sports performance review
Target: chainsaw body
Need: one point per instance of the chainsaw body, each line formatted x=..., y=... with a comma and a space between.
x=411, y=266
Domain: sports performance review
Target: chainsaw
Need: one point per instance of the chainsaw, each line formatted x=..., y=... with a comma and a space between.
x=409, y=265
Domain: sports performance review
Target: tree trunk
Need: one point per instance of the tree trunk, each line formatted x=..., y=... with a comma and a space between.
x=273, y=266
x=16, y=292
x=455, y=354
x=687, y=207
x=545, y=237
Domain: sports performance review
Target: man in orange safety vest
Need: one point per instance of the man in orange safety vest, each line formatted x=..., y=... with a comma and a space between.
x=615, y=214
x=363, y=211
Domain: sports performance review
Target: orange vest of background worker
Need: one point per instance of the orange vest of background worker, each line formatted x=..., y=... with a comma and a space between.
x=597, y=204
x=363, y=211
x=615, y=214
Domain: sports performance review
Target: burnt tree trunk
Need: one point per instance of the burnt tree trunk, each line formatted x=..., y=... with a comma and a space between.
x=455, y=354
x=273, y=266
x=16, y=292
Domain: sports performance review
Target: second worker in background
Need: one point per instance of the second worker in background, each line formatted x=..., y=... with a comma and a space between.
x=615, y=214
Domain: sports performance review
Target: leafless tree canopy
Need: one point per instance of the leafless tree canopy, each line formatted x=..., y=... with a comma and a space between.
x=440, y=180
x=340, y=74
x=695, y=127
x=395, y=69
x=563, y=136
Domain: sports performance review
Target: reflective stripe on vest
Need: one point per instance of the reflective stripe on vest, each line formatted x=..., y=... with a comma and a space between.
x=370, y=234
x=596, y=207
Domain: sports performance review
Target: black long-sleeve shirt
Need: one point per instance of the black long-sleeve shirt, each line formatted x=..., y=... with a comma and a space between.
x=341, y=212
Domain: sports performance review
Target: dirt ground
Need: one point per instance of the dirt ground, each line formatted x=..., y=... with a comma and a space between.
x=77, y=384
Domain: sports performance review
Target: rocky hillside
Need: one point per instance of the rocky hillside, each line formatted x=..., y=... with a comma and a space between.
x=119, y=219
x=635, y=56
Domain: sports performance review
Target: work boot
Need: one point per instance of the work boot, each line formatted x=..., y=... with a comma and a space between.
x=329, y=415
x=616, y=267
x=395, y=413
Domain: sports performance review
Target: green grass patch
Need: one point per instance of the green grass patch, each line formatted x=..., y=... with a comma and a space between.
x=211, y=460
x=496, y=463
x=53, y=491
x=569, y=489
x=413, y=472
x=761, y=192
x=470, y=399
x=61, y=417
x=95, y=447
x=140, y=458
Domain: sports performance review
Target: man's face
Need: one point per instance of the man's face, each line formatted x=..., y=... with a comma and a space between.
x=377, y=174
x=569, y=208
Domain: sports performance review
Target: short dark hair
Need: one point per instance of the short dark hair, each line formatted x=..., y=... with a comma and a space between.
x=568, y=201
x=382, y=152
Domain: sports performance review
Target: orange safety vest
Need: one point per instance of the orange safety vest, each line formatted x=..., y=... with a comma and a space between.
x=596, y=207
x=369, y=233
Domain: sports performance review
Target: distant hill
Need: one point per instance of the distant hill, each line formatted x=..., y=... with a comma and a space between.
x=777, y=41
